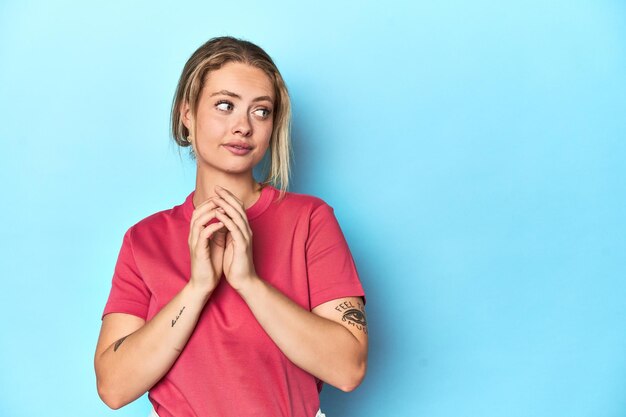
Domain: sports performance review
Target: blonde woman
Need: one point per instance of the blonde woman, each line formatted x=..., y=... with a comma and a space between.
x=244, y=299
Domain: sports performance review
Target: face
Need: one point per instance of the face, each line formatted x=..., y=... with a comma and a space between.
x=234, y=120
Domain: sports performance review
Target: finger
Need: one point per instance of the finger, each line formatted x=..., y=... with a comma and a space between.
x=205, y=218
x=203, y=207
x=231, y=199
x=199, y=212
x=194, y=224
x=205, y=202
x=221, y=191
x=198, y=223
x=218, y=241
x=235, y=215
x=202, y=244
x=234, y=230
x=219, y=237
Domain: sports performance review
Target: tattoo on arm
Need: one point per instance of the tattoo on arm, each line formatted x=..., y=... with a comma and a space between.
x=353, y=315
x=175, y=320
x=119, y=342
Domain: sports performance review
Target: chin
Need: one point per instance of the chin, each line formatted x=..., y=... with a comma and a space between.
x=237, y=169
x=230, y=168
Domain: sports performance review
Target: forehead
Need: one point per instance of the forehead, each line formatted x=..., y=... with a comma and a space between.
x=242, y=79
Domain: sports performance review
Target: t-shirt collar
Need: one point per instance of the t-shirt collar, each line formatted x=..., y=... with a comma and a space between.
x=255, y=210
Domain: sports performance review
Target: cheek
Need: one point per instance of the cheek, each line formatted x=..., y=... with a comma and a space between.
x=267, y=132
x=267, y=140
x=263, y=140
x=210, y=124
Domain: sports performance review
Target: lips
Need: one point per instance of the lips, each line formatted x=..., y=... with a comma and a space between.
x=238, y=148
x=239, y=145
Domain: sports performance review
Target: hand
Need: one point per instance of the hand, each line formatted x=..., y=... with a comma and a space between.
x=206, y=246
x=238, y=261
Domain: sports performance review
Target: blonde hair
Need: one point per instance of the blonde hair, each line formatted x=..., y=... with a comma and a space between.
x=211, y=56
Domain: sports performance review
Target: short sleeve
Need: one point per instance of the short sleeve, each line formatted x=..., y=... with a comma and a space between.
x=129, y=293
x=331, y=269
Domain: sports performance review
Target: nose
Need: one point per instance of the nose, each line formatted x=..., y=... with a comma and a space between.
x=242, y=125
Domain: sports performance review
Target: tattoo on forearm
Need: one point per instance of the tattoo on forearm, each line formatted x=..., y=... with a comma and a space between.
x=353, y=315
x=119, y=342
x=175, y=320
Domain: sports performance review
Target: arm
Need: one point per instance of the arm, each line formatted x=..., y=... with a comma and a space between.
x=325, y=342
x=132, y=355
x=330, y=342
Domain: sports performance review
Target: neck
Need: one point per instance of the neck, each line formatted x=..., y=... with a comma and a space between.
x=243, y=186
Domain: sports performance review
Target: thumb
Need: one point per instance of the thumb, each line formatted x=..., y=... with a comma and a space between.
x=217, y=246
x=219, y=238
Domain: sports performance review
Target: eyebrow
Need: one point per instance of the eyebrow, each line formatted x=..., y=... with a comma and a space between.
x=235, y=95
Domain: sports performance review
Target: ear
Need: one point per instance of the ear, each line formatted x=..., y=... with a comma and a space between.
x=185, y=114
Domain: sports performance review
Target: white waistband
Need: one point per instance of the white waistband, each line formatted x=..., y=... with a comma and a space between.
x=319, y=413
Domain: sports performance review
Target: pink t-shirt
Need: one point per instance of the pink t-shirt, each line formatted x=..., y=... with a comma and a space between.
x=230, y=366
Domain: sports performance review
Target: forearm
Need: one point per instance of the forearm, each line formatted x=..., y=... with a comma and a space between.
x=133, y=364
x=320, y=346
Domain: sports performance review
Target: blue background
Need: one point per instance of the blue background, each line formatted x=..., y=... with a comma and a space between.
x=473, y=152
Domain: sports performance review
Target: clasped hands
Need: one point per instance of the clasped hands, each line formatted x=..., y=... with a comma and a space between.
x=224, y=246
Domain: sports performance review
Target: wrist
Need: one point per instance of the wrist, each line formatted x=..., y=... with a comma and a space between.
x=199, y=290
x=248, y=285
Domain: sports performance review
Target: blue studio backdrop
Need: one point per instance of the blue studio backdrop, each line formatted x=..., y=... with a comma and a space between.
x=473, y=152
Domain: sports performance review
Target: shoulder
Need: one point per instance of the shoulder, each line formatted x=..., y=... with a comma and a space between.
x=302, y=200
x=302, y=203
x=301, y=212
x=156, y=223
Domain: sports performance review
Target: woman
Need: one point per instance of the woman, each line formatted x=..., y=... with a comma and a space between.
x=209, y=319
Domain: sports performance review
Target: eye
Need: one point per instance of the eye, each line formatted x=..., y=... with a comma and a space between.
x=263, y=113
x=356, y=316
x=224, y=105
